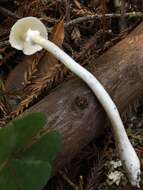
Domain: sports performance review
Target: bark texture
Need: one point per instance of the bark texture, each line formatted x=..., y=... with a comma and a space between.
x=73, y=109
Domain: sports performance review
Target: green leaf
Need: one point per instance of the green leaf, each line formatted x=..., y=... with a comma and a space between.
x=46, y=148
x=7, y=144
x=26, y=153
x=27, y=127
x=6, y=180
x=18, y=133
x=31, y=175
x=25, y=175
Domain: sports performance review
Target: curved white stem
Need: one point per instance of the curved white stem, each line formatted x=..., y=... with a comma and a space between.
x=126, y=151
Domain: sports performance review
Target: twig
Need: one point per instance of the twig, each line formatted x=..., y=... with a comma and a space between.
x=7, y=12
x=99, y=16
x=67, y=13
x=64, y=176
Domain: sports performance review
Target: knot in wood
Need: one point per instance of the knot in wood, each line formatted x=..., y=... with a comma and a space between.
x=81, y=102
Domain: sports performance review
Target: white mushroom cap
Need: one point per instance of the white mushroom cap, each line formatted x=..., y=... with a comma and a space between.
x=18, y=33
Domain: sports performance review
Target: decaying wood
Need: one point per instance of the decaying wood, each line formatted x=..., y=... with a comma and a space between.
x=72, y=108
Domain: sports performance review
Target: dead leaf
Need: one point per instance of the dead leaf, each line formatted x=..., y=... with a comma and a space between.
x=58, y=35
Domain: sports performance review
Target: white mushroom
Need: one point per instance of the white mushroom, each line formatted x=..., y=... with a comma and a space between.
x=18, y=36
x=30, y=35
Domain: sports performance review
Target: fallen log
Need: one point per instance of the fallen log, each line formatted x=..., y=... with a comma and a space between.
x=72, y=108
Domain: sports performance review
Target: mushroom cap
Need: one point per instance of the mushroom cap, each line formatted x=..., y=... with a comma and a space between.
x=19, y=31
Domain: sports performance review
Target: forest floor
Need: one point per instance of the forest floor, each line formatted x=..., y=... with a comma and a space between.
x=91, y=27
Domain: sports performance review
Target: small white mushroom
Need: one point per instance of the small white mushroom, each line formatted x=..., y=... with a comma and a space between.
x=30, y=35
x=18, y=36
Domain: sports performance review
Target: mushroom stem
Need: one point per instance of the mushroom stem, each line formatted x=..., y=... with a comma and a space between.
x=126, y=151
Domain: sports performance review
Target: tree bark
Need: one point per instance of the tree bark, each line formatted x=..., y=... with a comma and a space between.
x=73, y=109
